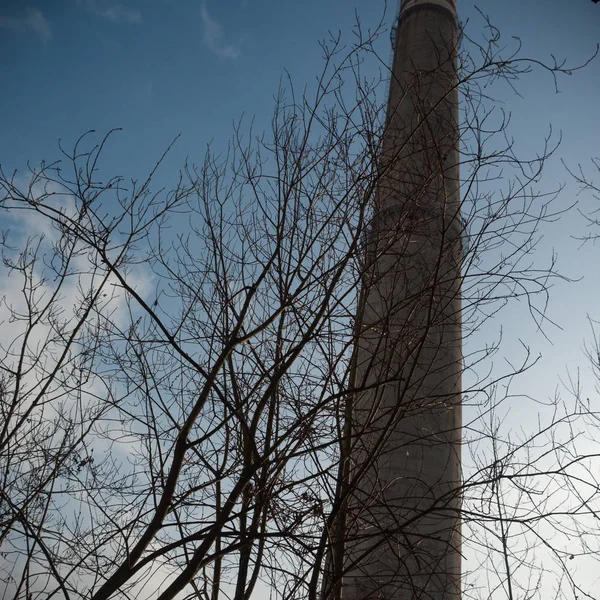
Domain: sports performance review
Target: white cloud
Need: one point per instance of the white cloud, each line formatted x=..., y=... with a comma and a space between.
x=32, y=20
x=116, y=12
x=212, y=36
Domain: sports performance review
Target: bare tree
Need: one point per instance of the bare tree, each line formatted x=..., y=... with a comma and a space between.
x=177, y=367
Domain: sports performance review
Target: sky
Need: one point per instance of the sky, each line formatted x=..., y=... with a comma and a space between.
x=158, y=69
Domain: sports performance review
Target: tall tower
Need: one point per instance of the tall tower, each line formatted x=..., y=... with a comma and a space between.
x=402, y=525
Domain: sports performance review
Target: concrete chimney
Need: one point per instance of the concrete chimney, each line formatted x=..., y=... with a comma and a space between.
x=403, y=536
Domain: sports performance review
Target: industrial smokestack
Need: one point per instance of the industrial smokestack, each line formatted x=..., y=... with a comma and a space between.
x=402, y=524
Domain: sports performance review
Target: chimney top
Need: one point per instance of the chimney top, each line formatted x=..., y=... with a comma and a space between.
x=448, y=4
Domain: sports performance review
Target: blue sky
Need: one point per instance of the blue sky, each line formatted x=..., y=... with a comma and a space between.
x=192, y=67
x=154, y=68
x=160, y=68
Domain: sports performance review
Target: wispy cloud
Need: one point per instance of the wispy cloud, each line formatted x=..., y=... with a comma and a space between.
x=31, y=20
x=114, y=12
x=212, y=36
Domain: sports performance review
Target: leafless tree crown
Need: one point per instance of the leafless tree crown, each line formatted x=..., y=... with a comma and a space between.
x=177, y=366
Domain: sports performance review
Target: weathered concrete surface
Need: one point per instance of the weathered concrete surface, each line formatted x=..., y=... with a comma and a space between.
x=403, y=518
